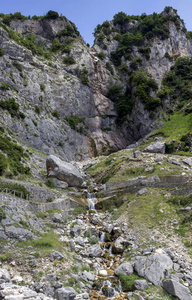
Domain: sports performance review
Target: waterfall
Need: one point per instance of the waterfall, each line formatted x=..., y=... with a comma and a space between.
x=92, y=200
x=102, y=237
x=108, y=290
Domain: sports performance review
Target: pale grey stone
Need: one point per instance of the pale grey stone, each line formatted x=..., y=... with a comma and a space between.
x=125, y=268
x=63, y=171
x=176, y=289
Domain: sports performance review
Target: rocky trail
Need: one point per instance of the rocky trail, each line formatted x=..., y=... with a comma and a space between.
x=107, y=260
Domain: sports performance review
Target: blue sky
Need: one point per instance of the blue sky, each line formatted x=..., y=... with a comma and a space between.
x=86, y=14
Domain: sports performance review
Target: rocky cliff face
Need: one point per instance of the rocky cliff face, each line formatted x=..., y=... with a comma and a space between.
x=62, y=86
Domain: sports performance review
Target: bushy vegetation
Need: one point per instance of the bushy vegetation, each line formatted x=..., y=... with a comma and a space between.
x=3, y=163
x=144, y=86
x=69, y=60
x=14, y=154
x=74, y=121
x=101, y=55
x=50, y=183
x=78, y=209
x=2, y=214
x=122, y=101
x=140, y=85
x=69, y=31
x=56, y=114
x=146, y=28
x=4, y=86
x=51, y=15
x=17, y=65
x=2, y=51
x=177, y=84
x=12, y=107
x=18, y=188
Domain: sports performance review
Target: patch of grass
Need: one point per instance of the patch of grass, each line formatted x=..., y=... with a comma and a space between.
x=44, y=245
x=50, y=183
x=148, y=209
x=177, y=126
x=127, y=282
x=2, y=214
x=78, y=210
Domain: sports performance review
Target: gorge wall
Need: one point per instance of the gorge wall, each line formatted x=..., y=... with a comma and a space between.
x=63, y=87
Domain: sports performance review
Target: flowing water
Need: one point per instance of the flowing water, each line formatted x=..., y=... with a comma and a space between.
x=91, y=200
x=110, y=287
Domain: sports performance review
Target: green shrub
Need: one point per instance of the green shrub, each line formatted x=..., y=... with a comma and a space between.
x=14, y=155
x=109, y=67
x=101, y=55
x=2, y=214
x=50, y=183
x=122, y=101
x=73, y=121
x=84, y=80
x=37, y=109
x=69, y=60
x=17, y=65
x=4, y=86
x=56, y=45
x=100, y=37
x=2, y=52
x=51, y=15
x=17, y=187
x=56, y=114
x=75, y=269
x=42, y=87
x=3, y=163
x=11, y=105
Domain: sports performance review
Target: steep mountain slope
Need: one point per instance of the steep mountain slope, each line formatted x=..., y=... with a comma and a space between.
x=79, y=101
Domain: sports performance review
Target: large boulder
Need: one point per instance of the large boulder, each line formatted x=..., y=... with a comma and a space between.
x=67, y=293
x=63, y=171
x=176, y=289
x=95, y=251
x=125, y=268
x=118, y=246
x=153, y=267
x=18, y=233
x=157, y=147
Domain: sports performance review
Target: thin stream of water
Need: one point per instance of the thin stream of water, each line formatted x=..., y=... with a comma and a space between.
x=107, y=289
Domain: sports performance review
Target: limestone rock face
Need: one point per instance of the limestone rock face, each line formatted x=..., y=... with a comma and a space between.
x=46, y=86
x=63, y=171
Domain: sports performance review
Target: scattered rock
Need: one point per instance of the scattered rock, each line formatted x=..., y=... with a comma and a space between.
x=67, y=293
x=142, y=191
x=187, y=161
x=136, y=153
x=57, y=218
x=125, y=268
x=56, y=255
x=103, y=273
x=18, y=233
x=176, y=289
x=141, y=284
x=95, y=251
x=118, y=246
x=157, y=147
